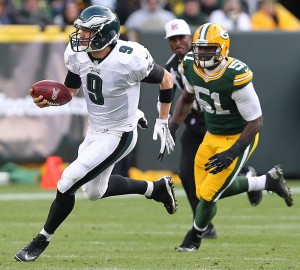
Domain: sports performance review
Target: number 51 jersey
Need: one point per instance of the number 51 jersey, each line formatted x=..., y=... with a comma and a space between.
x=214, y=93
x=112, y=87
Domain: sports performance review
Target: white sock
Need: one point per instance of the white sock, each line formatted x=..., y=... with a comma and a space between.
x=199, y=229
x=150, y=188
x=256, y=183
x=43, y=232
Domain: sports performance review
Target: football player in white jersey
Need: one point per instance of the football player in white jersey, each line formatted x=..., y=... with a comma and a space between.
x=110, y=72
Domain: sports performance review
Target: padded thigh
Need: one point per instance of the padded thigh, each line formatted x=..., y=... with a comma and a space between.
x=94, y=151
x=210, y=186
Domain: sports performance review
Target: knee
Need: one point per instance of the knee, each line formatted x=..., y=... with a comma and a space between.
x=205, y=195
x=91, y=197
x=91, y=194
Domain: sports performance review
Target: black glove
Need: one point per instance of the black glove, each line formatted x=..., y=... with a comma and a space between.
x=223, y=160
x=173, y=128
x=219, y=162
x=143, y=123
x=161, y=155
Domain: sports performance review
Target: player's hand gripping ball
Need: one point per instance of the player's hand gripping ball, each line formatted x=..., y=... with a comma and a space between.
x=55, y=93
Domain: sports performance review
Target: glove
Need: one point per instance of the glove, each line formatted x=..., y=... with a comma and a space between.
x=161, y=129
x=143, y=123
x=219, y=162
x=223, y=160
x=173, y=128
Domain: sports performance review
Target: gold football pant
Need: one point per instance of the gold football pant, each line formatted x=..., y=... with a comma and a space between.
x=211, y=187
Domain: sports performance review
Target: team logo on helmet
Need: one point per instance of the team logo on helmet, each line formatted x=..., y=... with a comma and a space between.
x=224, y=34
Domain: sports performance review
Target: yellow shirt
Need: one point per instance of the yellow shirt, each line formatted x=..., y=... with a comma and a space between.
x=286, y=20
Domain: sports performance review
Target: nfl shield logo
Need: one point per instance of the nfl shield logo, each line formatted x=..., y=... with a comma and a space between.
x=174, y=26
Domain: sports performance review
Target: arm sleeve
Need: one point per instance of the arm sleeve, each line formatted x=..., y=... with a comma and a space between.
x=247, y=102
x=72, y=80
x=155, y=76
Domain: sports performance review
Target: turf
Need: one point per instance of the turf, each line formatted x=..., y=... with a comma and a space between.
x=131, y=232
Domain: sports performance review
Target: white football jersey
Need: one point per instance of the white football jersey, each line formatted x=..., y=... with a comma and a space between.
x=112, y=87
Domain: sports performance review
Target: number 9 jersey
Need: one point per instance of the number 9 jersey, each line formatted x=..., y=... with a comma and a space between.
x=226, y=94
x=112, y=87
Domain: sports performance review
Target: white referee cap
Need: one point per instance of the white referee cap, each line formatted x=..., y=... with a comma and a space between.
x=177, y=27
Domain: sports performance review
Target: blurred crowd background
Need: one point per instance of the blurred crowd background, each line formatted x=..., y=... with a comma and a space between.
x=240, y=15
x=29, y=54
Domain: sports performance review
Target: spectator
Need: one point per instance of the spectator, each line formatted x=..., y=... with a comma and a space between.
x=57, y=7
x=83, y=4
x=125, y=7
x=250, y=6
x=32, y=12
x=112, y=4
x=70, y=12
x=231, y=16
x=208, y=6
x=150, y=16
x=4, y=16
x=192, y=13
x=272, y=16
x=176, y=6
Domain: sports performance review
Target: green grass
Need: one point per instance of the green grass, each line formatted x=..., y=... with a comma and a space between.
x=135, y=233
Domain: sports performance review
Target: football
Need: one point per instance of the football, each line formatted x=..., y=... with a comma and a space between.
x=54, y=92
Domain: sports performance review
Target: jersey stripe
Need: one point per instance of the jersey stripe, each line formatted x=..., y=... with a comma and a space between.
x=243, y=78
x=242, y=75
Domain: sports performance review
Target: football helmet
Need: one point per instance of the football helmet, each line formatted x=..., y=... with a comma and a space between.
x=210, y=45
x=104, y=27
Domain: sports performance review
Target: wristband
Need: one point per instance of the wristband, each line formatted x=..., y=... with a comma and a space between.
x=238, y=147
x=166, y=95
x=173, y=127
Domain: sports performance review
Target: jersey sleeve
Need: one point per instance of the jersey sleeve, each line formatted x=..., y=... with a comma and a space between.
x=187, y=85
x=69, y=57
x=247, y=102
x=143, y=63
x=242, y=75
x=186, y=68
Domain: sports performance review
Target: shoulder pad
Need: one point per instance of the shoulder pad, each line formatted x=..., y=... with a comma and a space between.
x=242, y=75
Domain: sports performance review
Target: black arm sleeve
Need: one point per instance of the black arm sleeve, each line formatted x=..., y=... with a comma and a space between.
x=156, y=75
x=72, y=80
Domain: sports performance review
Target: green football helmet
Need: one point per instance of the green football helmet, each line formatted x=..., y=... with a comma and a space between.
x=104, y=25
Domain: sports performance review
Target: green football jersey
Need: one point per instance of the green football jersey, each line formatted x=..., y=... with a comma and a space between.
x=214, y=94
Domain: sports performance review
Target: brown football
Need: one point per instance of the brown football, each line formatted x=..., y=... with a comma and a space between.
x=56, y=93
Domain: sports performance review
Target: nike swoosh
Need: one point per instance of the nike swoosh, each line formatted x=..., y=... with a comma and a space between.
x=29, y=258
x=229, y=138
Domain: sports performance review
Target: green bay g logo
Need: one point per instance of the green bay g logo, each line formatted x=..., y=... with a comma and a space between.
x=224, y=34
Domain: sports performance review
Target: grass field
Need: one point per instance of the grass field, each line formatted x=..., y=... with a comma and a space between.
x=131, y=232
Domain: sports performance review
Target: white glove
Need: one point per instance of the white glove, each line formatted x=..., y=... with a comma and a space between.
x=166, y=141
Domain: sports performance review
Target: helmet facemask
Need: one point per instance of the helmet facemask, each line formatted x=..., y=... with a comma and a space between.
x=207, y=55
